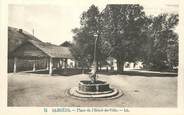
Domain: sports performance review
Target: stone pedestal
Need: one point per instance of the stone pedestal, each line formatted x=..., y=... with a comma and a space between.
x=97, y=90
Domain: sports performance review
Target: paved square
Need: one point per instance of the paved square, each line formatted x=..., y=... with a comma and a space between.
x=31, y=89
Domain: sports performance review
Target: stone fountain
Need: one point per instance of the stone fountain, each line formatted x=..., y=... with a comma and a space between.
x=93, y=88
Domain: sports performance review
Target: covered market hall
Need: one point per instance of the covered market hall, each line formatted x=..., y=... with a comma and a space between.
x=35, y=50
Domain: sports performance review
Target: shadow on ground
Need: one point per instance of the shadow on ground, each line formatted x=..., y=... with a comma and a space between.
x=150, y=74
x=71, y=72
x=56, y=72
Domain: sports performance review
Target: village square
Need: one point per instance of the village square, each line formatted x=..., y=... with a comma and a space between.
x=119, y=56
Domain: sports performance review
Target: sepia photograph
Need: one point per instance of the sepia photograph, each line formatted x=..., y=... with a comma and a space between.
x=94, y=55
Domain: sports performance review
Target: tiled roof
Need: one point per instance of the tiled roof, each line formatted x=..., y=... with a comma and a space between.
x=51, y=50
x=17, y=38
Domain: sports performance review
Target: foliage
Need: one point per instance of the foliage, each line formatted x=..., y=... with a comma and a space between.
x=125, y=33
x=162, y=42
x=84, y=38
x=123, y=30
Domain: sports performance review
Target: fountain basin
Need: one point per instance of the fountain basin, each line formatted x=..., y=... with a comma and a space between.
x=98, y=86
x=98, y=90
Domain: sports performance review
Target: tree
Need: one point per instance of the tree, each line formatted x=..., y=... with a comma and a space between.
x=125, y=33
x=123, y=25
x=162, y=42
x=85, y=36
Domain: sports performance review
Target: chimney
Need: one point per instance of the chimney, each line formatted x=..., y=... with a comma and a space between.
x=20, y=30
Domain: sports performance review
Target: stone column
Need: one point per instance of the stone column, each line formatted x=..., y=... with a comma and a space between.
x=34, y=65
x=47, y=60
x=51, y=66
x=65, y=63
x=15, y=65
x=61, y=63
x=58, y=63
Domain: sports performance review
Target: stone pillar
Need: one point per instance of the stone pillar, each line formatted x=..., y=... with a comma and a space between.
x=47, y=64
x=61, y=65
x=15, y=65
x=51, y=66
x=34, y=65
x=58, y=63
x=65, y=63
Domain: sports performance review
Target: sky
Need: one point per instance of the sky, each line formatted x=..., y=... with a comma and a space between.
x=53, y=23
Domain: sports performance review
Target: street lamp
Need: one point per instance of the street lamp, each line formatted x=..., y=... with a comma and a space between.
x=96, y=38
x=94, y=64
